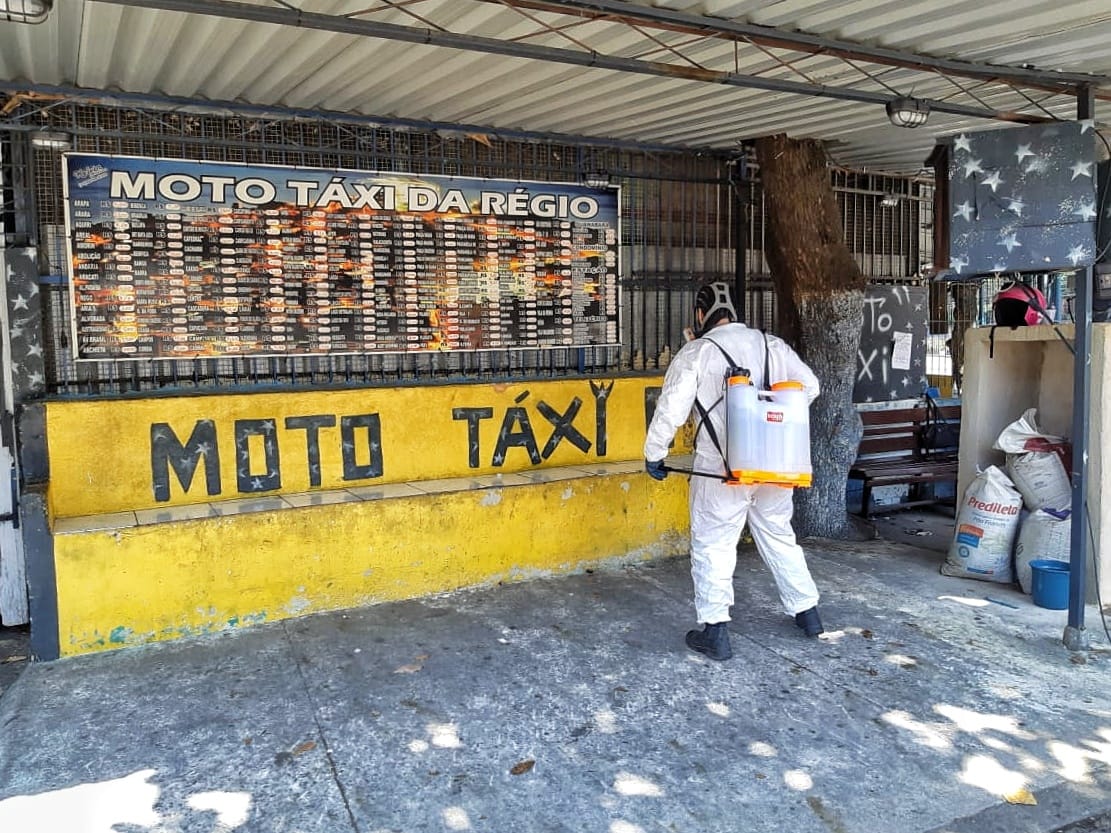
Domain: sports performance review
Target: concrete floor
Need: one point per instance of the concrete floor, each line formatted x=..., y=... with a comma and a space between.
x=571, y=704
x=15, y=648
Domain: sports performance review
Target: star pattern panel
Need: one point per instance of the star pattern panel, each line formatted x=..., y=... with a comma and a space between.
x=25, y=324
x=1022, y=199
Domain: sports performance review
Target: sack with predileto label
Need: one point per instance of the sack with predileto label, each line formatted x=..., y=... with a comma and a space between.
x=986, y=526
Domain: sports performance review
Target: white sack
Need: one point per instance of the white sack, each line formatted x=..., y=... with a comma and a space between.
x=1041, y=478
x=1036, y=463
x=986, y=528
x=1043, y=535
x=1024, y=435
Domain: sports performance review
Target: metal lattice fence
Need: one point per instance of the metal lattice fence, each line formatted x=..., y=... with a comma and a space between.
x=681, y=215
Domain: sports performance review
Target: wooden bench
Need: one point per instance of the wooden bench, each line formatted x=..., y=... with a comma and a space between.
x=907, y=446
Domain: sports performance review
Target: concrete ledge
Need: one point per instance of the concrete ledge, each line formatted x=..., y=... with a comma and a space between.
x=129, y=578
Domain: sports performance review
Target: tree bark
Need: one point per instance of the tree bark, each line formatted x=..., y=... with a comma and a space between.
x=820, y=295
x=830, y=331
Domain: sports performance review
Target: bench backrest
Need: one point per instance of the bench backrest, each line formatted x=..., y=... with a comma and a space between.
x=899, y=431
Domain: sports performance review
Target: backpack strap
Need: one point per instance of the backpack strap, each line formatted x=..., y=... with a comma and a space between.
x=767, y=373
x=728, y=358
x=704, y=413
x=732, y=364
x=704, y=420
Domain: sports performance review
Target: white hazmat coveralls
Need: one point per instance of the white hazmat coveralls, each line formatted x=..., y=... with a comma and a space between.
x=718, y=511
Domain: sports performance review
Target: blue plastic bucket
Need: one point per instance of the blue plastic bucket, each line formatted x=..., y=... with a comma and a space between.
x=1050, y=583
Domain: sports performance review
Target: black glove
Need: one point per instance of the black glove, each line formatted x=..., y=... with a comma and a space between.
x=656, y=469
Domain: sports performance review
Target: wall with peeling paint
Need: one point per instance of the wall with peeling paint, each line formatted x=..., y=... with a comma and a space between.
x=140, y=583
x=125, y=455
x=467, y=485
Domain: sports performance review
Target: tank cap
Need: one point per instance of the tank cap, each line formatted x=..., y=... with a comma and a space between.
x=789, y=384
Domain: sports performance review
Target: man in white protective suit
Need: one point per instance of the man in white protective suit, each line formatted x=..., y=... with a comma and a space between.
x=695, y=379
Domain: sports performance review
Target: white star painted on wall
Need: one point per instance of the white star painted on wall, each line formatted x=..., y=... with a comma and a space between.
x=964, y=210
x=972, y=166
x=962, y=142
x=19, y=302
x=993, y=181
x=1087, y=211
x=1076, y=254
x=1037, y=165
x=1022, y=152
x=1016, y=205
x=958, y=263
x=36, y=379
x=34, y=350
x=1081, y=168
x=1010, y=242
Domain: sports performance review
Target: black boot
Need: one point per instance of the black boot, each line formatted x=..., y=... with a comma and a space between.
x=712, y=640
x=810, y=622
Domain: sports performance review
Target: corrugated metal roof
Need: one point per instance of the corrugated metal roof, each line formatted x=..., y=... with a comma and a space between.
x=105, y=46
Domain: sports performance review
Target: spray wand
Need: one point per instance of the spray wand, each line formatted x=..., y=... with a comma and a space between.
x=720, y=477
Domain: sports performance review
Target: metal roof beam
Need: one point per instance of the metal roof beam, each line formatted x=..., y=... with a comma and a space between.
x=623, y=11
x=297, y=18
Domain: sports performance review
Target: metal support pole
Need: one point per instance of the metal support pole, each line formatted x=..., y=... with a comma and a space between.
x=1075, y=637
x=738, y=180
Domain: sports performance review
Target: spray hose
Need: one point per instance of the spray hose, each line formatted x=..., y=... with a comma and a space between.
x=720, y=477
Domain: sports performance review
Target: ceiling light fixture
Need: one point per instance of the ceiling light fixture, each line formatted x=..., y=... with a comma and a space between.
x=25, y=11
x=905, y=111
x=596, y=179
x=45, y=140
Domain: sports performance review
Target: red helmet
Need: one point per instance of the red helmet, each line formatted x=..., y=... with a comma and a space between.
x=1018, y=304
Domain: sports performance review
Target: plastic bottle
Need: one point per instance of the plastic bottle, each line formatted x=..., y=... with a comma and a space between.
x=742, y=426
x=787, y=434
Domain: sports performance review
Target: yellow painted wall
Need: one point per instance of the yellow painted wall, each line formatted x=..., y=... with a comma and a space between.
x=101, y=451
x=140, y=584
x=137, y=583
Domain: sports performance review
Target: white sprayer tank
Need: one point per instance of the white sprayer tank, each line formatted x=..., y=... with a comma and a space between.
x=767, y=433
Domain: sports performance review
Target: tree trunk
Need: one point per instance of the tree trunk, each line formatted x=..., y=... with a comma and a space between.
x=820, y=296
x=829, y=329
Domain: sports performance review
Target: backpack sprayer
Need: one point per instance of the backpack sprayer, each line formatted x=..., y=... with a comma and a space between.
x=767, y=432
